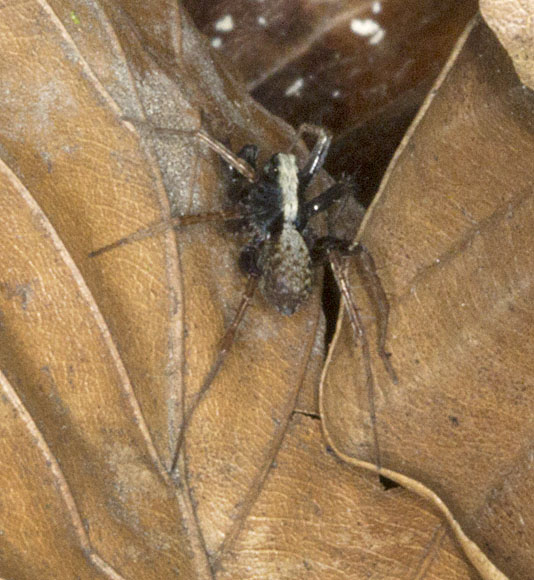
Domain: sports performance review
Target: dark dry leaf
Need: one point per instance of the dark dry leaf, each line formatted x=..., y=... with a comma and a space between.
x=360, y=68
x=452, y=235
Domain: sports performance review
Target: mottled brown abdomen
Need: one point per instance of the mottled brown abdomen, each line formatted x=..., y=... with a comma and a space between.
x=285, y=263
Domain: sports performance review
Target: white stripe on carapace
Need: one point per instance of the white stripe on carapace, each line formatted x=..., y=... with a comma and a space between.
x=288, y=181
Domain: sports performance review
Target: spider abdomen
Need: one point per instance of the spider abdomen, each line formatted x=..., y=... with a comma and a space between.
x=285, y=264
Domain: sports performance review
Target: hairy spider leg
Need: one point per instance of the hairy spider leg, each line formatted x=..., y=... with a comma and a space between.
x=162, y=226
x=240, y=164
x=359, y=334
x=224, y=348
x=366, y=267
x=333, y=249
x=367, y=272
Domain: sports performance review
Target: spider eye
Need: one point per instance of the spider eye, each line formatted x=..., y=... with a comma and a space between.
x=271, y=169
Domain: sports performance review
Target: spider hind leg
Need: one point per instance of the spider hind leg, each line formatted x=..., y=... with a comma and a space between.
x=323, y=250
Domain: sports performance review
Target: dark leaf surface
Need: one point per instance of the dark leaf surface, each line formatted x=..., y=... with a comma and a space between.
x=360, y=68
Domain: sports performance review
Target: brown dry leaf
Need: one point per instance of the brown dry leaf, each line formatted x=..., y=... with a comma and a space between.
x=513, y=24
x=317, y=518
x=99, y=356
x=451, y=232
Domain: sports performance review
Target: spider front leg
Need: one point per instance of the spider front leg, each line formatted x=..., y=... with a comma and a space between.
x=317, y=155
x=238, y=162
x=240, y=182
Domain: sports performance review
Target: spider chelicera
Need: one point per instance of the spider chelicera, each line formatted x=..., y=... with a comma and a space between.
x=270, y=209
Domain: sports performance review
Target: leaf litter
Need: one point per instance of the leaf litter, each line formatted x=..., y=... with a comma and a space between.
x=228, y=475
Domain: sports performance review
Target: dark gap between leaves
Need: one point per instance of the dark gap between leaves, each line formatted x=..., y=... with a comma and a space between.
x=331, y=299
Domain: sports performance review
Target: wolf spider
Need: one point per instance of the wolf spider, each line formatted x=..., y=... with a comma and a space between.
x=270, y=209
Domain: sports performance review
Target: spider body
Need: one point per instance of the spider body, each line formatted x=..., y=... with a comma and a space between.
x=286, y=268
x=274, y=216
x=276, y=252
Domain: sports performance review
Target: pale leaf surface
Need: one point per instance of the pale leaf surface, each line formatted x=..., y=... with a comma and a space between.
x=512, y=22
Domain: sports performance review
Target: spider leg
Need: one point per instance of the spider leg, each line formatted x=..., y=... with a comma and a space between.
x=322, y=202
x=225, y=346
x=248, y=259
x=333, y=249
x=373, y=286
x=162, y=226
x=248, y=264
x=249, y=153
x=317, y=155
x=236, y=162
x=243, y=164
x=323, y=249
x=240, y=184
x=239, y=164
x=359, y=334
